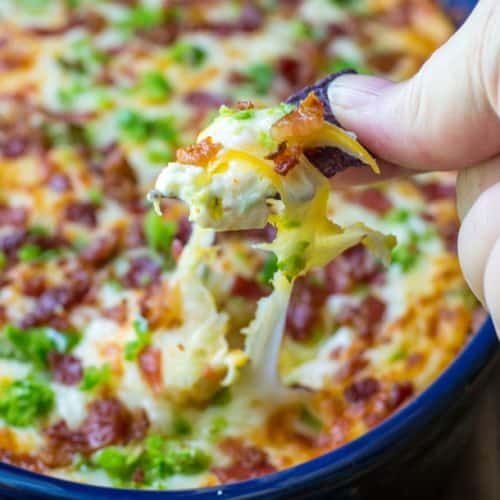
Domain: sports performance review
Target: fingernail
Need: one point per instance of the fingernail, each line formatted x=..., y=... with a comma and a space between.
x=355, y=91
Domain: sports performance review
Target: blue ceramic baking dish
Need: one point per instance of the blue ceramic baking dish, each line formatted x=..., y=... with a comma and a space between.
x=405, y=457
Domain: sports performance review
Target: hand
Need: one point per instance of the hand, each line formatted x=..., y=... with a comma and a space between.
x=446, y=117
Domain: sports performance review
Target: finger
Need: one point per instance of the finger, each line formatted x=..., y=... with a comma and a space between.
x=472, y=181
x=445, y=116
x=479, y=231
x=491, y=288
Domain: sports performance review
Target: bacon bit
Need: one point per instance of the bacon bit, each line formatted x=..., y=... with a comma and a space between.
x=150, y=365
x=107, y=422
x=414, y=359
x=386, y=402
x=184, y=229
x=436, y=191
x=285, y=158
x=13, y=216
x=65, y=368
x=247, y=462
x=306, y=300
x=32, y=286
x=23, y=460
x=302, y=122
x=352, y=366
x=371, y=198
x=355, y=266
x=399, y=393
x=11, y=242
x=15, y=146
x=161, y=306
x=118, y=313
x=449, y=233
x=330, y=160
x=57, y=301
x=201, y=153
x=134, y=235
x=361, y=390
x=365, y=317
x=243, y=105
x=119, y=179
x=206, y=100
x=142, y=272
x=59, y=183
x=138, y=476
x=82, y=212
x=101, y=250
x=246, y=288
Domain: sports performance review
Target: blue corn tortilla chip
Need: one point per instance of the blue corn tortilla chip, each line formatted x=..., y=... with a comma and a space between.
x=320, y=88
x=330, y=160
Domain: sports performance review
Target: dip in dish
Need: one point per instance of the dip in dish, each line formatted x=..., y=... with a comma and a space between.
x=111, y=375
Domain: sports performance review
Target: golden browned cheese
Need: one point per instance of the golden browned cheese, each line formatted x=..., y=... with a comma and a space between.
x=101, y=354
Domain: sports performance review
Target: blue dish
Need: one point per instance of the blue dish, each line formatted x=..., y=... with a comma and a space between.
x=401, y=458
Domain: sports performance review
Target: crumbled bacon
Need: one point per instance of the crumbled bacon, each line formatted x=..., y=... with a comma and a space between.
x=285, y=158
x=23, y=460
x=371, y=198
x=119, y=179
x=365, y=318
x=107, y=422
x=201, y=153
x=65, y=368
x=13, y=216
x=33, y=286
x=353, y=365
x=243, y=105
x=205, y=100
x=435, y=191
x=303, y=310
x=302, y=122
x=387, y=401
x=59, y=183
x=362, y=390
x=150, y=365
x=118, y=313
x=142, y=272
x=57, y=301
x=134, y=235
x=101, y=250
x=355, y=266
x=247, y=462
x=82, y=212
x=247, y=288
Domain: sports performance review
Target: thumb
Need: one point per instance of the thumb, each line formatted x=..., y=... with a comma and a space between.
x=446, y=116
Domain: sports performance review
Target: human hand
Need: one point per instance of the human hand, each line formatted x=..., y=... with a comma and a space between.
x=445, y=117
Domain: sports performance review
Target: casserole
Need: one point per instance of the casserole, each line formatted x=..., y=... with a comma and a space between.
x=337, y=482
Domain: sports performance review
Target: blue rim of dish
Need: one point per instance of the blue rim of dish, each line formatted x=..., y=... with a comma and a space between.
x=342, y=462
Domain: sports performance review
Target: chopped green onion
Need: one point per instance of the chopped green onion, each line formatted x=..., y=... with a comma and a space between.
x=187, y=53
x=94, y=376
x=155, y=86
x=143, y=338
x=269, y=267
x=24, y=401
